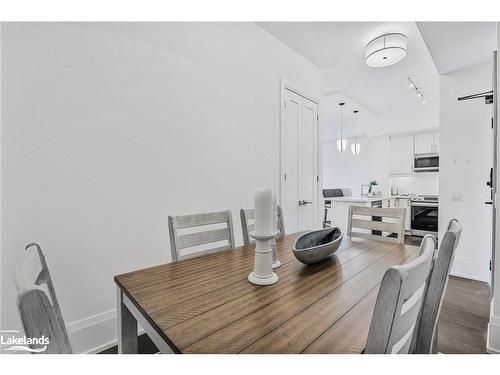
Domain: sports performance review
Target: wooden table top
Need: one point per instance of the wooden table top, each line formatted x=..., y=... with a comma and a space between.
x=207, y=305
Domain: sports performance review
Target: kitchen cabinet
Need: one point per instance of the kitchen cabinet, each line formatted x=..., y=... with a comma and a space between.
x=401, y=155
x=427, y=143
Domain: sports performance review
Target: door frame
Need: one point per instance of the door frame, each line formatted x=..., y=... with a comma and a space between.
x=285, y=85
x=493, y=331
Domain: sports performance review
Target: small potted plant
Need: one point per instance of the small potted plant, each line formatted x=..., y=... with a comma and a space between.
x=372, y=185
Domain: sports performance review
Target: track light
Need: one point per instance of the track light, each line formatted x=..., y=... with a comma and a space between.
x=417, y=90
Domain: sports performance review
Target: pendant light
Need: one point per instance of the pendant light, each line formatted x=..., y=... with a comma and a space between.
x=341, y=142
x=355, y=147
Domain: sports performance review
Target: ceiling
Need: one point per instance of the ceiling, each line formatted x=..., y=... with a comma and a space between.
x=326, y=44
x=457, y=45
x=386, y=103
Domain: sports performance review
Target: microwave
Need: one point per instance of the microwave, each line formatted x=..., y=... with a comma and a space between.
x=426, y=163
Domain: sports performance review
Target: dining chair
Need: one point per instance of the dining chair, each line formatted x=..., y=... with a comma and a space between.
x=372, y=219
x=426, y=331
x=37, y=302
x=327, y=203
x=247, y=216
x=398, y=303
x=180, y=241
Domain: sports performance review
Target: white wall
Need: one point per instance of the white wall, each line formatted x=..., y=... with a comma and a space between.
x=109, y=128
x=343, y=169
x=465, y=162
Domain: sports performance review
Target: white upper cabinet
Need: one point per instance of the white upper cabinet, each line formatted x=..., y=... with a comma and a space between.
x=401, y=155
x=423, y=143
x=427, y=143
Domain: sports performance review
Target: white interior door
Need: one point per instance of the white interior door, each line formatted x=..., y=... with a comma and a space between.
x=299, y=162
x=289, y=159
x=307, y=171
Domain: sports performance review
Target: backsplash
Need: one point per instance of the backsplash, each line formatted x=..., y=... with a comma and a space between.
x=424, y=183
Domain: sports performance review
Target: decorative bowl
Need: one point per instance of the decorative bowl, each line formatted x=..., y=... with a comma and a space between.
x=318, y=245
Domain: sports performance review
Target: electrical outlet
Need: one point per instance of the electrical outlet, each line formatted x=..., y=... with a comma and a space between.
x=456, y=196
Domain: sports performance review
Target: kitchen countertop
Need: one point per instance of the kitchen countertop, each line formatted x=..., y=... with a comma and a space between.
x=366, y=199
x=359, y=199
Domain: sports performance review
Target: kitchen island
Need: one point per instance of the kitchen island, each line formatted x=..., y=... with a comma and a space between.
x=340, y=207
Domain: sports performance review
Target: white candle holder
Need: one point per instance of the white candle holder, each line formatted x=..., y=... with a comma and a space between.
x=263, y=265
x=276, y=262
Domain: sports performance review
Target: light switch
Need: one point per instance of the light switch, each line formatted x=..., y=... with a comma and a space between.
x=456, y=196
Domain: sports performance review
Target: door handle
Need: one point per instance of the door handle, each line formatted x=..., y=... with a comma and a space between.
x=490, y=202
x=303, y=202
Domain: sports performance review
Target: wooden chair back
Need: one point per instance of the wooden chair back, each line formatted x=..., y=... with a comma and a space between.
x=398, y=304
x=426, y=335
x=248, y=224
x=361, y=217
x=179, y=242
x=37, y=302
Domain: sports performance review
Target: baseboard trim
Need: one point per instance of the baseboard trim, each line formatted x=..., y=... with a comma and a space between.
x=91, y=321
x=470, y=269
x=493, y=339
x=493, y=332
x=95, y=333
x=110, y=344
x=469, y=276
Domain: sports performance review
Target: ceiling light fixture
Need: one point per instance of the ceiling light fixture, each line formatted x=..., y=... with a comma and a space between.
x=385, y=50
x=355, y=147
x=418, y=92
x=341, y=142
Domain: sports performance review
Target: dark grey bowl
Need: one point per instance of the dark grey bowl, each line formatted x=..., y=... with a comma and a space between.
x=318, y=245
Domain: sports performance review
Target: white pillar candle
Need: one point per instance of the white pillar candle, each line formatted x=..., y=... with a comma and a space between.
x=263, y=217
x=275, y=212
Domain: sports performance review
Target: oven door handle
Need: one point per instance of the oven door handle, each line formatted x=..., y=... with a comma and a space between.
x=421, y=204
x=426, y=169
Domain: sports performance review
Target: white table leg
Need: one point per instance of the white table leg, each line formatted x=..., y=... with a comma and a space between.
x=127, y=327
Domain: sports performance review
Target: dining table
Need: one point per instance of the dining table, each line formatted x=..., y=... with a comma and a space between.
x=206, y=304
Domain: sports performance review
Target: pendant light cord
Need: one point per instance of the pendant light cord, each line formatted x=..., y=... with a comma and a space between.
x=355, y=126
x=355, y=116
x=341, y=125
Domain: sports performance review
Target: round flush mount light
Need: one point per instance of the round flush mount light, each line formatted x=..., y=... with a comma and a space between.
x=387, y=49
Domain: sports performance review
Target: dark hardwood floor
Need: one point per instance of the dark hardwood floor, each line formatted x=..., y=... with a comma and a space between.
x=464, y=315
x=462, y=323
x=145, y=346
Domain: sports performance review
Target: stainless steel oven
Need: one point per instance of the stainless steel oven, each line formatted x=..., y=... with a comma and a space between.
x=426, y=163
x=424, y=216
